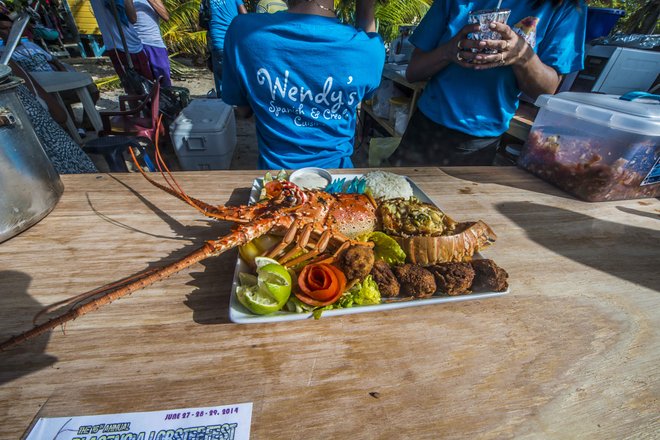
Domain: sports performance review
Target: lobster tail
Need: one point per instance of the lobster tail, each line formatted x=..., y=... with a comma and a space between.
x=467, y=239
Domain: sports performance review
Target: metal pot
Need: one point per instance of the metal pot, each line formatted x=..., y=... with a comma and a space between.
x=29, y=185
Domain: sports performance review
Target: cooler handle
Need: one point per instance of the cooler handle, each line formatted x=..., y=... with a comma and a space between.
x=631, y=96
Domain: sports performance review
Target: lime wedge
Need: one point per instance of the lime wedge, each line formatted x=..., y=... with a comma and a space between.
x=256, y=300
x=263, y=261
x=247, y=279
x=276, y=280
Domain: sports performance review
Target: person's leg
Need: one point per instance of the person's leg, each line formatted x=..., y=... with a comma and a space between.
x=159, y=62
x=118, y=59
x=141, y=64
x=120, y=63
x=216, y=58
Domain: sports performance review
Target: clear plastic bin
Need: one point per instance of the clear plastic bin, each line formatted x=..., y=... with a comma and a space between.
x=596, y=147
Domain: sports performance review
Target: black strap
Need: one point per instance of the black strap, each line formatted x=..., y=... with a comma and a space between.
x=121, y=34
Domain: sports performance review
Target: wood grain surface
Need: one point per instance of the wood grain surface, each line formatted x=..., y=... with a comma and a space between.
x=572, y=352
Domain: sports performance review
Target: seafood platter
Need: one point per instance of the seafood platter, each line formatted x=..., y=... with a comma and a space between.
x=375, y=242
x=313, y=245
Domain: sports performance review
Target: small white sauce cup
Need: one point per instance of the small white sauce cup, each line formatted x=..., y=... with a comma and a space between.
x=298, y=177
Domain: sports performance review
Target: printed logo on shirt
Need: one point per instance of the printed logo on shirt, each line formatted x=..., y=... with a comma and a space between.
x=526, y=28
x=307, y=107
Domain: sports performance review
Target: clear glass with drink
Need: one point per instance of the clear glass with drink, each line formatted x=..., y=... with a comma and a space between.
x=484, y=18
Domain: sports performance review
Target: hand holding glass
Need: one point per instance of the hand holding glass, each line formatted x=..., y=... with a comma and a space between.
x=484, y=18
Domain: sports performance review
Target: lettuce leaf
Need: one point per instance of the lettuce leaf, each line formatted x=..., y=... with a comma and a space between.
x=386, y=248
x=361, y=294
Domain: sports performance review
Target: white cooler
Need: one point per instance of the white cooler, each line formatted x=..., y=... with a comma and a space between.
x=204, y=135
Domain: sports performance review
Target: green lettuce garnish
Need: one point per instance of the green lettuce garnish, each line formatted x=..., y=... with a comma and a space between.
x=386, y=248
x=361, y=294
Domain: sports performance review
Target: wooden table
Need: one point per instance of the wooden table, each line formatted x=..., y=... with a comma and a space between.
x=55, y=82
x=572, y=352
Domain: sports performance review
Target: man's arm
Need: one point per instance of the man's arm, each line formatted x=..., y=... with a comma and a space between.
x=364, y=12
x=129, y=7
x=242, y=9
x=424, y=65
x=160, y=9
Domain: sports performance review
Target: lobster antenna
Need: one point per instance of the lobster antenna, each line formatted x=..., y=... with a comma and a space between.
x=161, y=164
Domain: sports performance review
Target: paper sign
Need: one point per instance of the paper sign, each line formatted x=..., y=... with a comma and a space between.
x=229, y=422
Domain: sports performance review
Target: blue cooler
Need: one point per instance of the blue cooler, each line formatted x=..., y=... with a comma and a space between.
x=601, y=21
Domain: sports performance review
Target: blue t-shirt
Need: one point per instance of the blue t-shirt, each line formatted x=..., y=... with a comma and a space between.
x=482, y=102
x=303, y=76
x=222, y=13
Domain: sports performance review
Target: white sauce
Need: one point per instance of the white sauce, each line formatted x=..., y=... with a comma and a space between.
x=309, y=180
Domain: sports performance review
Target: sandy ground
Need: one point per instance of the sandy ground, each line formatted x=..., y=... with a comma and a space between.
x=199, y=81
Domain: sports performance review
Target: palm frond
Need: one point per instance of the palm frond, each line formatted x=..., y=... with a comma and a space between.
x=186, y=43
x=108, y=83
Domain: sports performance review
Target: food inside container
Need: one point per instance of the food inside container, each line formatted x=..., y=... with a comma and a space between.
x=311, y=178
x=397, y=104
x=596, y=147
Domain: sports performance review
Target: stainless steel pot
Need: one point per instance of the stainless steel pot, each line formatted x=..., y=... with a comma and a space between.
x=29, y=185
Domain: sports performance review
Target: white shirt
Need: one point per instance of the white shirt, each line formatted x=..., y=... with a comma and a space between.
x=108, y=26
x=147, y=24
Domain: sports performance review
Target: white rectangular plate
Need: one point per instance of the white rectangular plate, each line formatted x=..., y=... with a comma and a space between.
x=239, y=314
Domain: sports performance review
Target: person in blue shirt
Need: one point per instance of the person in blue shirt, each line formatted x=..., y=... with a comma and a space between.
x=471, y=96
x=303, y=73
x=220, y=14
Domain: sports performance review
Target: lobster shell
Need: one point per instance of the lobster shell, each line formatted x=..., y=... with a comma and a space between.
x=467, y=239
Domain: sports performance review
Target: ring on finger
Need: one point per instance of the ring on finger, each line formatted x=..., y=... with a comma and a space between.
x=502, y=58
x=459, y=57
x=507, y=45
x=458, y=44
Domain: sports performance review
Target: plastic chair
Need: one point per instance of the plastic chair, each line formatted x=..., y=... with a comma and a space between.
x=135, y=124
x=138, y=116
x=112, y=149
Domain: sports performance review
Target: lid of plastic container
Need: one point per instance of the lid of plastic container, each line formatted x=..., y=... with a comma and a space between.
x=203, y=115
x=639, y=115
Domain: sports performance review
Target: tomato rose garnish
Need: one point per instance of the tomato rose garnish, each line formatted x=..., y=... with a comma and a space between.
x=320, y=284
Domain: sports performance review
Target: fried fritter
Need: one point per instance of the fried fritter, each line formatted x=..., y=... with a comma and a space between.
x=489, y=276
x=453, y=278
x=356, y=262
x=415, y=280
x=384, y=277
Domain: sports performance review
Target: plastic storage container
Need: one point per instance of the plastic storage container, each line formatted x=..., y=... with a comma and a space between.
x=204, y=135
x=596, y=147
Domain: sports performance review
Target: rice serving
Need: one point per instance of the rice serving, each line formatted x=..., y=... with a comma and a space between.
x=384, y=185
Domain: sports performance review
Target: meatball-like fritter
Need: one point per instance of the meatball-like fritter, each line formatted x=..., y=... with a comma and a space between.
x=453, y=278
x=384, y=277
x=415, y=280
x=489, y=276
x=356, y=262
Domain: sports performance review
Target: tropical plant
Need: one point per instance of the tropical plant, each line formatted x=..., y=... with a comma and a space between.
x=183, y=35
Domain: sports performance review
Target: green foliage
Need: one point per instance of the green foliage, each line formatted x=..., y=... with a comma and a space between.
x=183, y=35
x=181, y=32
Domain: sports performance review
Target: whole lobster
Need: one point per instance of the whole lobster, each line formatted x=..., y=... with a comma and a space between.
x=310, y=222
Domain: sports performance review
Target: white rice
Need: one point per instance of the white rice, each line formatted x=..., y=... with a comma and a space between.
x=384, y=185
